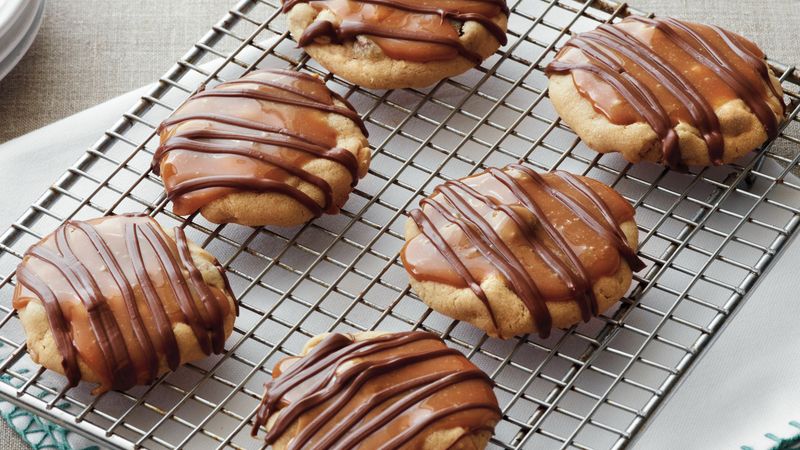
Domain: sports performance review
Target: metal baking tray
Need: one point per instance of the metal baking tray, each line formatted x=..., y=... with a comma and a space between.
x=707, y=236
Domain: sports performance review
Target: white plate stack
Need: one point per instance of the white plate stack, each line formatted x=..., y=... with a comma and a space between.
x=19, y=23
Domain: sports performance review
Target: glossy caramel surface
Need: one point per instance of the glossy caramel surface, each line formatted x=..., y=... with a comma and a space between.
x=392, y=18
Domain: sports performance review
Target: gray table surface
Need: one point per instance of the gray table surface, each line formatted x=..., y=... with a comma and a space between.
x=88, y=52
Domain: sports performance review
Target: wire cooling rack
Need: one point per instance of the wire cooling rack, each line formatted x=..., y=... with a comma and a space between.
x=707, y=236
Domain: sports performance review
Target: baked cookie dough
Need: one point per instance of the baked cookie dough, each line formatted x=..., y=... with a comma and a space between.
x=119, y=301
x=666, y=90
x=378, y=390
x=384, y=44
x=512, y=251
x=275, y=147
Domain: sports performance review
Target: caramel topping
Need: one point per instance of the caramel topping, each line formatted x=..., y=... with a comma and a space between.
x=388, y=392
x=549, y=236
x=666, y=71
x=258, y=134
x=411, y=30
x=113, y=288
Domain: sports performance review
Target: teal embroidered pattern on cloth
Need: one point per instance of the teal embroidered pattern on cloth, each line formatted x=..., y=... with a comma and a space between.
x=789, y=441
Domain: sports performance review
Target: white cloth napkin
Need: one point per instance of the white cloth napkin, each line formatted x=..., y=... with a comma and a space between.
x=747, y=383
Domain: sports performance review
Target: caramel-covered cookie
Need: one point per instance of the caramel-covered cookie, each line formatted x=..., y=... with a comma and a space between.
x=118, y=301
x=513, y=251
x=384, y=44
x=378, y=390
x=275, y=147
x=666, y=90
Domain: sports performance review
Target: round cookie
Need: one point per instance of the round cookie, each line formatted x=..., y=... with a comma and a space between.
x=378, y=390
x=275, y=147
x=383, y=44
x=119, y=301
x=512, y=251
x=666, y=90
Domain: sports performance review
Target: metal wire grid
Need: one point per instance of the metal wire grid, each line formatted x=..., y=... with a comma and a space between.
x=707, y=237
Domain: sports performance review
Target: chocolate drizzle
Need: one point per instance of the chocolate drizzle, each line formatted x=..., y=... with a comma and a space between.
x=63, y=269
x=645, y=73
x=58, y=324
x=462, y=204
x=366, y=392
x=390, y=19
x=273, y=148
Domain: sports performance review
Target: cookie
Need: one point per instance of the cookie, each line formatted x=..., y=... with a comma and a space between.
x=383, y=44
x=666, y=90
x=275, y=147
x=378, y=390
x=118, y=301
x=512, y=251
